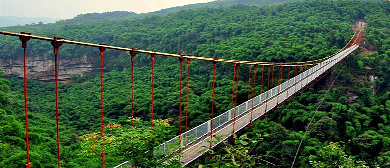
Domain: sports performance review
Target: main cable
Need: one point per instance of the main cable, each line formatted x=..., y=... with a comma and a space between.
x=165, y=54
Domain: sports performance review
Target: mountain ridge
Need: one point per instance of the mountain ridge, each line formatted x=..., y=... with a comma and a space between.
x=6, y=21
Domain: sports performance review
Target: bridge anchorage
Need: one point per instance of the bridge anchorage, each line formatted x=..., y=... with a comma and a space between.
x=194, y=143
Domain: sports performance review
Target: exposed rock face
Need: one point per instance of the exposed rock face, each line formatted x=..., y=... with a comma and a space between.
x=42, y=68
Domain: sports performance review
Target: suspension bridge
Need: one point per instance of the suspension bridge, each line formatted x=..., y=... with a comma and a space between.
x=197, y=141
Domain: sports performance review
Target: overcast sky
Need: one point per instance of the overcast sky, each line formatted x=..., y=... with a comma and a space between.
x=65, y=9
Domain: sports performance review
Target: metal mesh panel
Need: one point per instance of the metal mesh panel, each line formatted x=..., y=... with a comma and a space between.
x=260, y=111
x=190, y=136
x=280, y=98
x=256, y=101
x=172, y=144
x=232, y=113
x=224, y=118
x=263, y=97
x=291, y=91
x=290, y=82
x=298, y=86
x=203, y=129
x=271, y=104
x=241, y=108
x=216, y=123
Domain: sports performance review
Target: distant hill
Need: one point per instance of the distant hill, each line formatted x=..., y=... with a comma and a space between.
x=213, y=4
x=223, y=3
x=6, y=21
x=83, y=18
x=90, y=17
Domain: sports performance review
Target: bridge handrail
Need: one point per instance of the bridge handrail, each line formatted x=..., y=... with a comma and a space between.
x=303, y=79
x=203, y=129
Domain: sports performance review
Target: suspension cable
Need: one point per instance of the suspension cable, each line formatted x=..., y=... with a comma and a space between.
x=233, y=91
x=235, y=101
x=180, y=95
x=268, y=80
x=188, y=86
x=132, y=54
x=102, y=49
x=249, y=87
x=233, y=82
x=57, y=44
x=249, y=82
x=295, y=74
x=152, y=97
x=273, y=73
x=295, y=71
x=288, y=79
x=24, y=46
x=212, y=104
x=253, y=92
x=302, y=69
x=262, y=79
x=280, y=82
x=280, y=74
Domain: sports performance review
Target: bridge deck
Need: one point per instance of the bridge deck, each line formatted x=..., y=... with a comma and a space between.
x=196, y=141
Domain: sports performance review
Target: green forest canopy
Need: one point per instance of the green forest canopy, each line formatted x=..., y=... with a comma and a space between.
x=289, y=32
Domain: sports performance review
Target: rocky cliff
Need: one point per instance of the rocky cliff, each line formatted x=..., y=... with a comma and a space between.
x=42, y=68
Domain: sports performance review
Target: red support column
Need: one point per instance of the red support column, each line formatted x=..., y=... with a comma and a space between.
x=132, y=54
x=103, y=154
x=188, y=87
x=24, y=46
x=56, y=43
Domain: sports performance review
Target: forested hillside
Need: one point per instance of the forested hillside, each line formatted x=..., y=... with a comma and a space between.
x=118, y=16
x=341, y=133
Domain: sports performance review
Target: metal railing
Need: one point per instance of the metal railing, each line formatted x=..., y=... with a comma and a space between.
x=126, y=164
x=196, y=140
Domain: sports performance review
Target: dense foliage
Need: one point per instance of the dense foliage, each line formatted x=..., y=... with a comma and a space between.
x=342, y=132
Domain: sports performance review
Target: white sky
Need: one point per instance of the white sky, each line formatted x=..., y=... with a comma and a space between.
x=65, y=9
